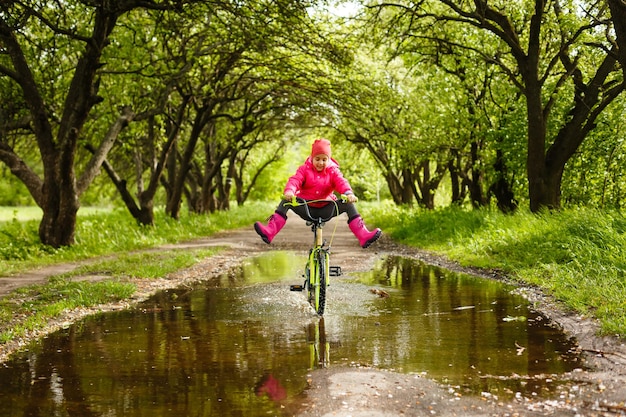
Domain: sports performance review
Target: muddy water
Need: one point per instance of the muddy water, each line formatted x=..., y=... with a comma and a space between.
x=244, y=344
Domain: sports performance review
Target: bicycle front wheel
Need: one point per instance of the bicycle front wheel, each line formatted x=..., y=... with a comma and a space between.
x=320, y=289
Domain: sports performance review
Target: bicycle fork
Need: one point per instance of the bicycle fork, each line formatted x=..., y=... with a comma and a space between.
x=333, y=271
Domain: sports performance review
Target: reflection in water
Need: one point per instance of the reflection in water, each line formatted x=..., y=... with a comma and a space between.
x=319, y=347
x=244, y=344
x=463, y=330
x=270, y=386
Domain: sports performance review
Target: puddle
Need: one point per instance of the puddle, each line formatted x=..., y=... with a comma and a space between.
x=463, y=330
x=244, y=344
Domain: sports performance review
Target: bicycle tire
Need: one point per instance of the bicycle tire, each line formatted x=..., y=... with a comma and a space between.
x=320, y=290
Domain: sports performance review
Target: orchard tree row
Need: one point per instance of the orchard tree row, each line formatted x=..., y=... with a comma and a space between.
x=171, y=94
x=191, y=102
x=507, y=100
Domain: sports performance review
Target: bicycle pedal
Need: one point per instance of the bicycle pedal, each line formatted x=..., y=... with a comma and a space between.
x=296, y=287
x=334, y=271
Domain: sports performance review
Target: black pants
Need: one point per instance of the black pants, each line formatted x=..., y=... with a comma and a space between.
x=325, y=212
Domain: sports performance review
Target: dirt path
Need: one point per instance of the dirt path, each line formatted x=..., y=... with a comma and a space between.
x=338, y=391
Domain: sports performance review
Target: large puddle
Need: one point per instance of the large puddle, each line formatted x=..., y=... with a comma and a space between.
x=244, y=344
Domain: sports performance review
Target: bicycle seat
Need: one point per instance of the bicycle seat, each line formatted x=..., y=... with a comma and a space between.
x=306, y=216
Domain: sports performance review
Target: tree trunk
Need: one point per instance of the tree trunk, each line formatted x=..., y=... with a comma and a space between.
x=178, y=182
x=618, y=16
x=475, y=186
x=408, y=187
x=144, y=212
x=539, y=193
x=455, y=180
x=394, y=186
x=545, y=168
x=501, y=188
x=60, y=206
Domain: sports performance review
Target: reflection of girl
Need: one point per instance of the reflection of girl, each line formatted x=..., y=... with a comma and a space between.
x=271, y=386
x=317, y=179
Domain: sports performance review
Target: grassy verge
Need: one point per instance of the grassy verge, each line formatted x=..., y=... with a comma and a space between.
x=99, y=234
x=577, y=255
x=30, y=308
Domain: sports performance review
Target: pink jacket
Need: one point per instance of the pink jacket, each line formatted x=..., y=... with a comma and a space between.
x=309, y=184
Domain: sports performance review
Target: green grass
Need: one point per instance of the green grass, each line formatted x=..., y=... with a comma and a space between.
x=576, y=255
x=19, y=213
x=36, y=305
x=146, y=265
x=24, y=213
x=100, y=233
x=123, y=249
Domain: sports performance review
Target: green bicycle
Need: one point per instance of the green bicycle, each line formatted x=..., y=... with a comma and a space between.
x=317, y=269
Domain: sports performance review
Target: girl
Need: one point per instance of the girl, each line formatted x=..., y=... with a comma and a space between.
x=316, y=179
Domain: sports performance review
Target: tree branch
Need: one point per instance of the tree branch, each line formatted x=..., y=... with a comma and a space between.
x=99, y=155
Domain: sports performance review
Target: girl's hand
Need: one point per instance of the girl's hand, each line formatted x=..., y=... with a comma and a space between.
x=288, y=196
x=351, y=198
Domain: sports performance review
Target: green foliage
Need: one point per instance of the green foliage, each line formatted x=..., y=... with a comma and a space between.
x=570, y=254
x=109, y=232
x=360, y=170
x=594, y=176
x=13, y=192
x=270, y=183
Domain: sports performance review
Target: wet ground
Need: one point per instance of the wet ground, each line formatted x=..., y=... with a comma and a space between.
x=243, y=344
x=367, y=388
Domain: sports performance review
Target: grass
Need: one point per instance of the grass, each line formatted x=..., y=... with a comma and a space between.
x=100, y=233
x=119, y=241
x=19, y=213
x=36, y=305
x=24, y=213
x=576, y=255
x=146, y=265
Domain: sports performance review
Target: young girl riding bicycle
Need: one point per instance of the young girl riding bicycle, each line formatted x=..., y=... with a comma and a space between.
x=317, y=179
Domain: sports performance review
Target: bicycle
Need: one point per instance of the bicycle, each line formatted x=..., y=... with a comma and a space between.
x=317, y=269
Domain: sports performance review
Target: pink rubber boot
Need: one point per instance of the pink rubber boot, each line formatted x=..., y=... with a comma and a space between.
x=365, y=237
x=275, y=223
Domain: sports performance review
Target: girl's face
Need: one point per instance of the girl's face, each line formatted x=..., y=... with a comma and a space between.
x=320, y=161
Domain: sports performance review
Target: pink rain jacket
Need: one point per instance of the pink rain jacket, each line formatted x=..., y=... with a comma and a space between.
x=309, y=184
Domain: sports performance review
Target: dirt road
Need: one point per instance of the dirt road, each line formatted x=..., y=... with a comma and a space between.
x=356, y=392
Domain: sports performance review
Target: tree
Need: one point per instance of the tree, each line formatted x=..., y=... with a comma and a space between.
x=42, y=42
x=259, y=68
x=558, y=60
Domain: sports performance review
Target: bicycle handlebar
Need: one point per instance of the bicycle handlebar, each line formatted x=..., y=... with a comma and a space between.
x=297, y=201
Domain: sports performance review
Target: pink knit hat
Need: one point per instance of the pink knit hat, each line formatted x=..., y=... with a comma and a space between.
x=320, y=146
